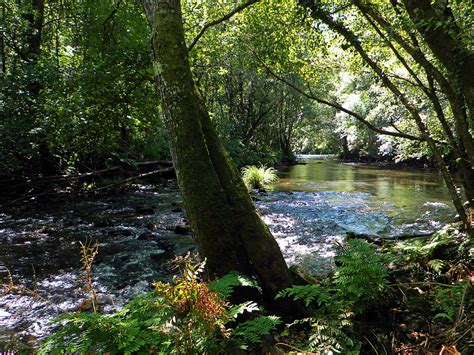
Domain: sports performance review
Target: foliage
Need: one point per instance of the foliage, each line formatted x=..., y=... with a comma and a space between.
x=225, y=285
x=332, y=320
x=307, y=293
x=89, y=251
x=453, y=301
x=418, y=252
x=96, y=92
x=358, y=283
x=183, y=317
x=87, y=93
x=361, y=278
x=433, y=284
x=331, y=334
x=252, y=331
x=256, y=177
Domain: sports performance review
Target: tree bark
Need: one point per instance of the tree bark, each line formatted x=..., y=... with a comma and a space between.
x=227, y=228
x=2, y=42
x=35, y=17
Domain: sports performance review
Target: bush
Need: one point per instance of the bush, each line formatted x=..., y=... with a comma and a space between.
x=359, y=281
x=361, y=277
x=255, y=177
x=185, y=317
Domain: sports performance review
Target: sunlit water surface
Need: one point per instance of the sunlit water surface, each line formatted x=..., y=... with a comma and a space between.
x=316, y=204
x=308, y=210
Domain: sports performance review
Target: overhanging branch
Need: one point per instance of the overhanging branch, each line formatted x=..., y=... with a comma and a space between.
x=339, y=107
x=220, y=20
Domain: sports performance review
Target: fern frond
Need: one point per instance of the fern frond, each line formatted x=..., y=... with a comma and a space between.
x=252, y=331
x=436, y=265
x=225, y=285
x=307, y=293
x=248, y=306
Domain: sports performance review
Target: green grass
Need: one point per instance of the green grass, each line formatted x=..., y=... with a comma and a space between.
x=255, y=177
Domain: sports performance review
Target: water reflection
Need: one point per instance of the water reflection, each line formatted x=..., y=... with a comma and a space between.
x=402, y=188
x=315, y=205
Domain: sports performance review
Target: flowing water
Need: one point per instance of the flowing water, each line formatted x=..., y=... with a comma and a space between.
x=314, y=205
x=308, y=210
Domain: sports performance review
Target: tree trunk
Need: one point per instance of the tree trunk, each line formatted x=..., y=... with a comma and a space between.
x=35, y=17
x=458, y=60
x=2, y=43
x=227, y=228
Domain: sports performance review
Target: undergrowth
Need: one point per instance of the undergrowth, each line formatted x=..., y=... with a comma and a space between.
x=358, y=282
x=183, y=317
x=434, y=291
x=424, y=302
x=255, y=177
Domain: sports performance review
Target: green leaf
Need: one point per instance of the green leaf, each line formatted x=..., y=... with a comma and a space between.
x=225, y=285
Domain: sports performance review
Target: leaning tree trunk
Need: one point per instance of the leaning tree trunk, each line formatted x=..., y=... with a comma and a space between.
x=227, y=228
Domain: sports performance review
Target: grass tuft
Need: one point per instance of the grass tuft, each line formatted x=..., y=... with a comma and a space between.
x=255, y=177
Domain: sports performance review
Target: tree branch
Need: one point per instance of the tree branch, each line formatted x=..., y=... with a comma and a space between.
x=337, y=106
x=218, y=21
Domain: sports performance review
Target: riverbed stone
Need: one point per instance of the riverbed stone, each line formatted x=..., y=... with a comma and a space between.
x=120, y=233
x=146, y=236
x=145, y=210
x=182, y=229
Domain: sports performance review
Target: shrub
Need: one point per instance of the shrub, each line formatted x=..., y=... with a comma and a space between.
x=428, y=254
x=185, y=317
x=255, y=177
x=361, y=276
x=359, y=281
x=331, y=322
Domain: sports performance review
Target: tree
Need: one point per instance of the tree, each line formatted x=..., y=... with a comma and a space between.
x=461, y=141
x=58, y=91
x=228, y=230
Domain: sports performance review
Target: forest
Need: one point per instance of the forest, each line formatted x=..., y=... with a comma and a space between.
x=246, y=176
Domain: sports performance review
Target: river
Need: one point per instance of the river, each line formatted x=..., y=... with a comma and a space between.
x=312, y=207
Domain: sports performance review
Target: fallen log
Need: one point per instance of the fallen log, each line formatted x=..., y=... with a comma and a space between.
x=164, y=172
x=133, y=178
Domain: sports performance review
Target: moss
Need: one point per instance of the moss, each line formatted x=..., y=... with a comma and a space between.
x=229, y=232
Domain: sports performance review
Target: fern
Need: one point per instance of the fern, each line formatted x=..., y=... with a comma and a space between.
x=226, y=284
x=255, y=177
x=248, y=306
x=436, y=265
x=330, y=331
x=328, y=336
x=252, y=331
x=84, y=332
x=180, y=317
x=126, y=331
x=451, y=302
x=307, y=293
x=417, y=251
x=361, y=277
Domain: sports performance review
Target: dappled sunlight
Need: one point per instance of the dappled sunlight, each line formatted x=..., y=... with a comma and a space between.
x=136, y=237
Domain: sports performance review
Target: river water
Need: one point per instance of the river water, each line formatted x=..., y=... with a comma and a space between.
x=308, y=210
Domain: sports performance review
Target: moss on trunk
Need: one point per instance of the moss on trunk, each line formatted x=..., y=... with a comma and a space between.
x=228, y=229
